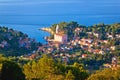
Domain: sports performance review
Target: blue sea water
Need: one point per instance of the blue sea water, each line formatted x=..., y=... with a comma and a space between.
x=31, y=30
x=29, y=16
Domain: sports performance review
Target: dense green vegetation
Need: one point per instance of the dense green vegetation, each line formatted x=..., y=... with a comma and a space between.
x=10, y=70
x=67, y=28
x=107, y=74
x=43, y=69
x=47, y=67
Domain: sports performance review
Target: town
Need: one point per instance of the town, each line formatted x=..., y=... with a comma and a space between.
x=70, y=47
x=78, y=47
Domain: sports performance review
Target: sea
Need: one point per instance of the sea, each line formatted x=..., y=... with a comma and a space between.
x=30, y=16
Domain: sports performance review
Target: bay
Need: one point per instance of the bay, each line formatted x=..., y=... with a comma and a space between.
x=31, y=24
x=29, y=16
x=31, y=30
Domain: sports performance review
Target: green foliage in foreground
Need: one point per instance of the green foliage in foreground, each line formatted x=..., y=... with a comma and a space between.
x=107, y=74
x=10, y=70
x=47, y=69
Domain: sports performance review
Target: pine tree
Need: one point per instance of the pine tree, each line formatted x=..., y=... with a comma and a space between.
x=70, y=76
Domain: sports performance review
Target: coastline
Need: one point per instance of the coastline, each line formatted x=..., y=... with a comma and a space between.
x=31, y=30
x=47, y=30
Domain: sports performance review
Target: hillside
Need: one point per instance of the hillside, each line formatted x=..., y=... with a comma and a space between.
x=16, y=43
x=91, y=53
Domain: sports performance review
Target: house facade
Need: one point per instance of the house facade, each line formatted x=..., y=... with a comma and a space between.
x=60, y=37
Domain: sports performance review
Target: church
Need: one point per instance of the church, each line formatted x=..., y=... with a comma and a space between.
x=60, y=36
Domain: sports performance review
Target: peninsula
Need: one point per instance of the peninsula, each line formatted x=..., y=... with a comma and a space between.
x=48, y=30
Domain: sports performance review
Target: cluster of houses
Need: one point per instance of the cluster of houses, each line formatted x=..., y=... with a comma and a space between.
x=26, y=42
x=23, y=42
x=113, y=65
x=60, y=44
x=3, y=44
x=60, y=47
x=11, y=38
